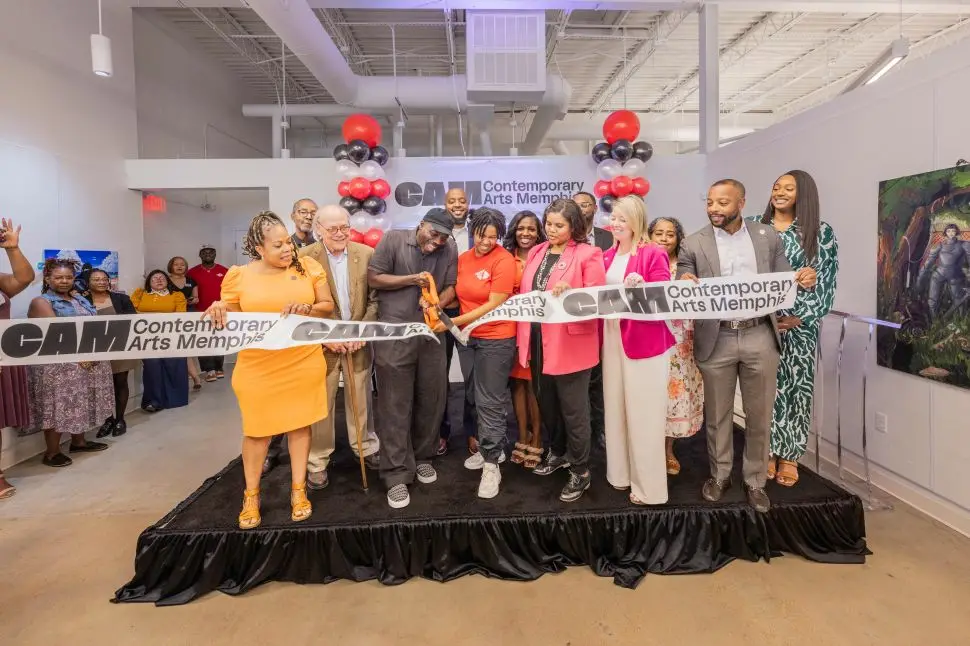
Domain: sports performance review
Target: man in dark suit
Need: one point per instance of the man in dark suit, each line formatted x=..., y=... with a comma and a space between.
x=604, y=240
x=745, y=351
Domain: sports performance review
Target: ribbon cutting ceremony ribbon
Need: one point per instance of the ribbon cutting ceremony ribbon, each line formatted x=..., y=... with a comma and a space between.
x=147, y=336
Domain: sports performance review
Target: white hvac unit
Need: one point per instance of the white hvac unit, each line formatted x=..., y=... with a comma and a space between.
x=505, y=56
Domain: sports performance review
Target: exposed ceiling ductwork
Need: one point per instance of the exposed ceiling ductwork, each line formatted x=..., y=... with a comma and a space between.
x=298, y=26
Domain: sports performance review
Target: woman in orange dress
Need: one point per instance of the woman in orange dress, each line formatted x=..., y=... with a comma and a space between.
x=523, y=234
x=279, y=391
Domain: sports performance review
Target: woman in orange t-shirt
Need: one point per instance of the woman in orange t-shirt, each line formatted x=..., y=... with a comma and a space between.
x=486, y=278
x=524, y=233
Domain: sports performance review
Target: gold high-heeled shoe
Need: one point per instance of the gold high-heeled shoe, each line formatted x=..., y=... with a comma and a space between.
x=249, y=517
x=301, y=507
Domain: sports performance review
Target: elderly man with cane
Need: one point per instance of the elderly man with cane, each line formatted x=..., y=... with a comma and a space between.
x=346, y=265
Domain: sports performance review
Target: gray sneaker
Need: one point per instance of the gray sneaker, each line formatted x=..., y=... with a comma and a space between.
x=317, y=481
x=398, y=496
x=426, y=473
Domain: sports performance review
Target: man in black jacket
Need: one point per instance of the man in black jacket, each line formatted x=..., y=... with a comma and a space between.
x=604, y=240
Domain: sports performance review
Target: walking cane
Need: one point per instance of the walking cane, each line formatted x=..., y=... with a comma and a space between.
x=352, y=391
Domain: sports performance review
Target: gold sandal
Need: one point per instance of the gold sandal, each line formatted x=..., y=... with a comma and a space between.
x=300, y=506
x=787, y=475
x=533, y=457
x=518, y=455
x=249, y=517
x=772, y=468
x=673, y=465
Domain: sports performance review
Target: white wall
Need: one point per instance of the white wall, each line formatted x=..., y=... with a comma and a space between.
x=912, y=121
x=189, y=105
x=64, y=136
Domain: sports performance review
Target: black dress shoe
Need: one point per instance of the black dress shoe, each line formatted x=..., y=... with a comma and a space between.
x=713, y=489
x=120, y=428
x=269, y=464
x=106, y=428
x=758, y=498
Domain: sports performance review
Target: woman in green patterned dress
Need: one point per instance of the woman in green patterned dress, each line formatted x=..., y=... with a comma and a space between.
x=794, y=212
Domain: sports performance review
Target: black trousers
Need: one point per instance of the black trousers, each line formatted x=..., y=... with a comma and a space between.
x=212, y=364
x=564, y=406
x=413, y=377
x=466, y=362
x=596, y=412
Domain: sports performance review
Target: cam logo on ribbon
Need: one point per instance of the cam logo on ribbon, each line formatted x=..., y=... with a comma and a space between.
x=148, y=336
x=710, y=298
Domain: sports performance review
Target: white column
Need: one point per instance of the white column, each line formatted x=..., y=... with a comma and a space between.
x=277, y=135
x=708, y=79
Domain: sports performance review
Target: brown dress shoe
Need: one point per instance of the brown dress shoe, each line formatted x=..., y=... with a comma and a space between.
x=758, y=498
x=713, y=489
x=317, y=481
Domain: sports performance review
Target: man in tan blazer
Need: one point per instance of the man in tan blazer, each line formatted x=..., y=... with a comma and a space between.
x=737, y=351
x=346, y=265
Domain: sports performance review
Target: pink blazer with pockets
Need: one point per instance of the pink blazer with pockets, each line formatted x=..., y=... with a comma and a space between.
x=566, y=347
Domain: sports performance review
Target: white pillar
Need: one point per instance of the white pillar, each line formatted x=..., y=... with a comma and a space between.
x=708, y=73
x=277, y=135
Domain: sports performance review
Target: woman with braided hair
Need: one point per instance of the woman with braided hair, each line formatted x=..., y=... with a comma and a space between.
x=68, y=398
x=279, y=391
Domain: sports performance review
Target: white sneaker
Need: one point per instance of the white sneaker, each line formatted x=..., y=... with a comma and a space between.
x=398, y=496
x=425, y=473
x=475, y=461
x=491, y=478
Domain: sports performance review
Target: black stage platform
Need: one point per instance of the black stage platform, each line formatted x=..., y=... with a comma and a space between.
x=448, y=532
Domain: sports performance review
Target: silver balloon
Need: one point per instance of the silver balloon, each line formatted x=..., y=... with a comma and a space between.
x=608, y=169
x=371, y=170
x=347, y=170
x=634, y=168
x=360, y=222
x=381, y=222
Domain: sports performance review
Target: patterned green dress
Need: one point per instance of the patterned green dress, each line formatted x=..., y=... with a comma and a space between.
x=792, y=418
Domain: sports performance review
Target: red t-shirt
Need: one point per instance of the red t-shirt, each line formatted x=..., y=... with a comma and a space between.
x=210, y=283
x=480, y=276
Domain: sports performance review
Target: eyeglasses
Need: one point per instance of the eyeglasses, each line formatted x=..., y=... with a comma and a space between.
x=338, y=229
x=306, y=212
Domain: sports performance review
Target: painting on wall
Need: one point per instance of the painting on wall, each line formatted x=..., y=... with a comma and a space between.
x=923, y=279
x=86, y=261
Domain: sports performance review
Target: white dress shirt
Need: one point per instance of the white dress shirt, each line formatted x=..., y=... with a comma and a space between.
x=461, y=238
x=340, y=267
x=736, y=251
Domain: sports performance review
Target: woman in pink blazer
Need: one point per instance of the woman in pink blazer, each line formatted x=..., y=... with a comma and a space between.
x=562, y=354
x=635, y=365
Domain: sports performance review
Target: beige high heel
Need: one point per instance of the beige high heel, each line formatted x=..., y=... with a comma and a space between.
x=249, y=517
x=301, y=507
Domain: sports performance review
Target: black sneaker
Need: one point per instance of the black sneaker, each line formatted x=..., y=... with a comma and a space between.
x=574, y=489
x=550, y=464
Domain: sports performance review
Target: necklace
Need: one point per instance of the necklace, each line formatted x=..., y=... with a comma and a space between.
x=544, y=271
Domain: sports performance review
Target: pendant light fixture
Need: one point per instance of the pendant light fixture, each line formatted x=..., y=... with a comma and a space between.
x=101, y=50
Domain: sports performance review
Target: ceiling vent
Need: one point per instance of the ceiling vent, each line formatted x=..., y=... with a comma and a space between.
x=505, y=56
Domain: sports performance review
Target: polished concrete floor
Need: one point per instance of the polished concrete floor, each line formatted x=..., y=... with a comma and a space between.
x=67, y=540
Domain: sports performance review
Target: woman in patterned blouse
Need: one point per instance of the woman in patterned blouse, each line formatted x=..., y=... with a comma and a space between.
x=794, y=212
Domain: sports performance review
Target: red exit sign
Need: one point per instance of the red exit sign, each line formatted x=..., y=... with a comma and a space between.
x=154, y=204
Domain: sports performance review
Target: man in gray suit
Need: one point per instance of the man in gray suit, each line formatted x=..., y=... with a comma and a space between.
x=741, y=350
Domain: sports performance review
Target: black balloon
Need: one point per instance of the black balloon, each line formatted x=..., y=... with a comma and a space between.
x=642, y=150
x=358, y=151
x=374, y=205
x=379, y=154
x=351, y=204
x=601, y=152
x=622, y=150
x=606, y=203
x=341, y=152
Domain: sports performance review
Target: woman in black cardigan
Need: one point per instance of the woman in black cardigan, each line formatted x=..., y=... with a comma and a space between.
x=107, y=303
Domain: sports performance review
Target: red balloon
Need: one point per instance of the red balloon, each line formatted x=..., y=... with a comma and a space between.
x=343, y=188
x=380, y=188
x=365, y=127
x=601, y=188
x=356, y=236
x=641, y=186
x=621, y=124
x=621, y=185
x=360, y=188
x=372, y=237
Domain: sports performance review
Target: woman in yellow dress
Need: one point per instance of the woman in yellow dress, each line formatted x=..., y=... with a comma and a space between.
x=279, y=391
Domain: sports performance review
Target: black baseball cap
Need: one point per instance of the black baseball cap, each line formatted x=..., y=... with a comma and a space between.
x=440, y=220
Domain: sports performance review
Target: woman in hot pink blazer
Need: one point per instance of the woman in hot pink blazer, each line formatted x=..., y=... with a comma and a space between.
x=635, y=365
x=562, y=354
